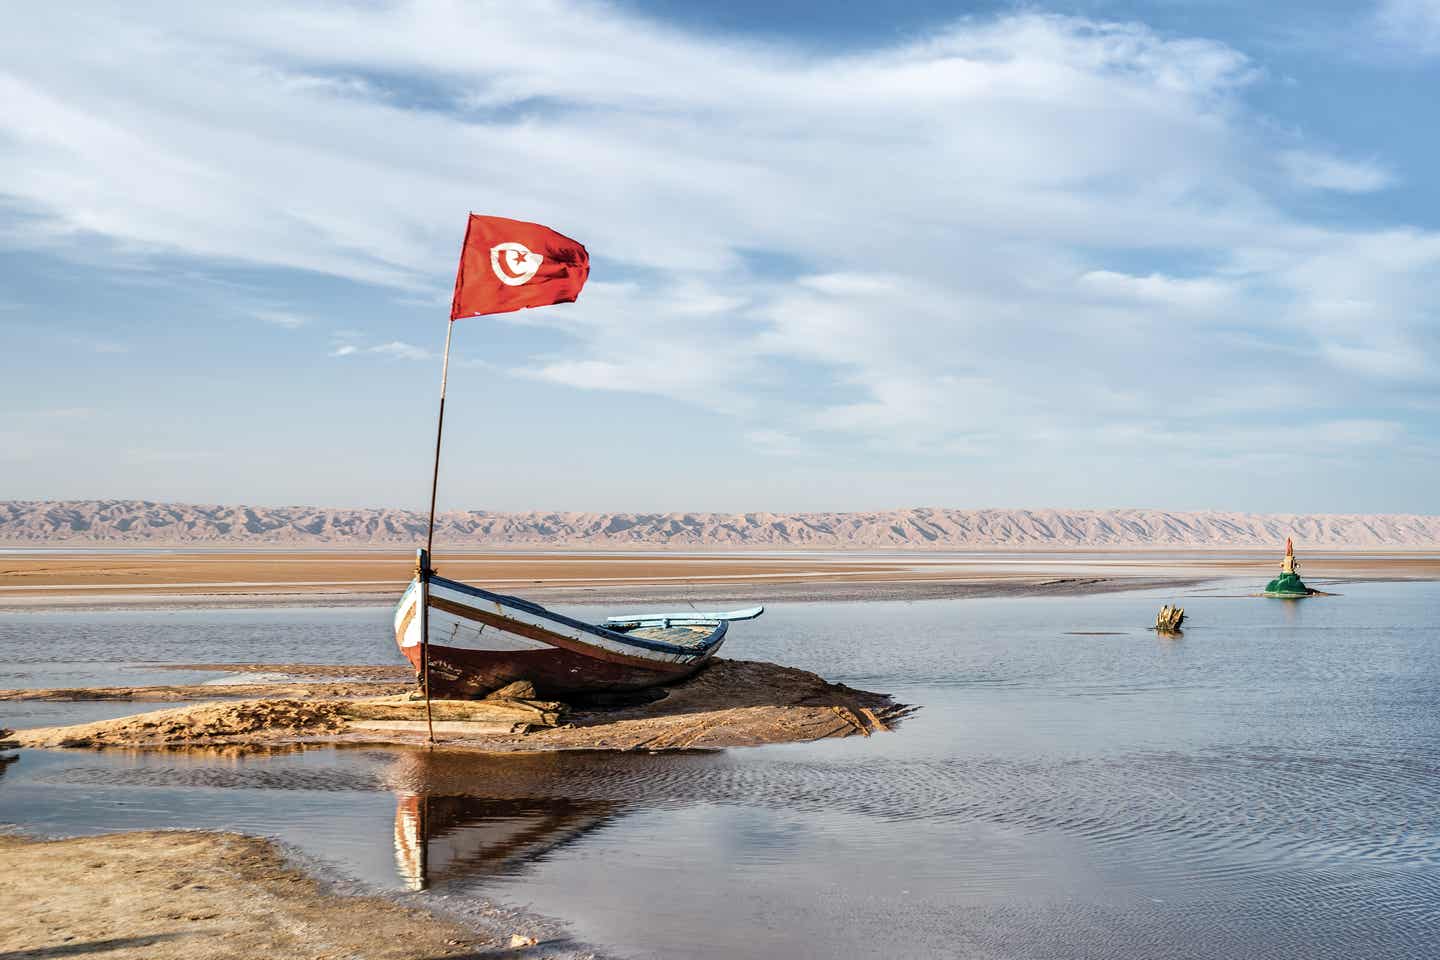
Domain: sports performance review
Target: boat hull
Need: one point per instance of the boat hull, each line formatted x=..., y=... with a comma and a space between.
x=460, y=674
x=481, y=641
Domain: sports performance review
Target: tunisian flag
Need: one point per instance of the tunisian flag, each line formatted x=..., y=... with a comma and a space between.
x=509, y=265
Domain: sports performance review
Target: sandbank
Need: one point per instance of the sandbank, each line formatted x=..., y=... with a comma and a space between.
x=181, y=895
x=731, y=703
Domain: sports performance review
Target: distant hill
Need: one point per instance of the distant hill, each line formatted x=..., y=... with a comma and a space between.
x=133, y=522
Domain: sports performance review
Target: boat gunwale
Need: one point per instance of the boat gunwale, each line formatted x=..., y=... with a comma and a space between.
x=717, y=636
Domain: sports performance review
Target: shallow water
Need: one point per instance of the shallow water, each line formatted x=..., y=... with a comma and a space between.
x=1074, y=786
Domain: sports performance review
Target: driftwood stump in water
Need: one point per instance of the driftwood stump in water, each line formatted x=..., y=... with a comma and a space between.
x=1169, y=619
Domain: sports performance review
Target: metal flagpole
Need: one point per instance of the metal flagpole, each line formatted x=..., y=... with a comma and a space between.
x=430, y=542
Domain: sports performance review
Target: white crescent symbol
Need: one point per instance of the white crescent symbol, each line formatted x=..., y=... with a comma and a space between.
x=513, y=263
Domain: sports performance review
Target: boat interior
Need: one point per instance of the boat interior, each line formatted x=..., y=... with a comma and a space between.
x=688, y=635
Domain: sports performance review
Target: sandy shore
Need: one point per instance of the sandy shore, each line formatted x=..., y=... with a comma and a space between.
x=60, y=578
x=184, y=895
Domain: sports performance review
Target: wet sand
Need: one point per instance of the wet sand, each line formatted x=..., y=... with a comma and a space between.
x=208, y=691
x=182, y=895
x=317, y=572
x=68, y=578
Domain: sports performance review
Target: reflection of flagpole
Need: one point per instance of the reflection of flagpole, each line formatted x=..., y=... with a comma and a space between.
x=424, y=840
x=424, y=572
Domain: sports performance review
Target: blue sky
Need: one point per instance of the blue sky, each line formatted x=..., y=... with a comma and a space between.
x=845, y=256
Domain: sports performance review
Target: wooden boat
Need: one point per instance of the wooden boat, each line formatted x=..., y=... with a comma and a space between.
x=479, y=641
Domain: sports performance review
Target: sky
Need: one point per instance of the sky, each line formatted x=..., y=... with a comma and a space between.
x=844, y=255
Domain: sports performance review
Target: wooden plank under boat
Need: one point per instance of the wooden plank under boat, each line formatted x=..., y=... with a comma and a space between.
x=479, y=641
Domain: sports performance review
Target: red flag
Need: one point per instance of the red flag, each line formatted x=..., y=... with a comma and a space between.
x=509, y=265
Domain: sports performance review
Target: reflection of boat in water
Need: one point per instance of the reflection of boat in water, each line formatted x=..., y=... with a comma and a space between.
x=442, y=839
x=445, y=833
x=7, y=744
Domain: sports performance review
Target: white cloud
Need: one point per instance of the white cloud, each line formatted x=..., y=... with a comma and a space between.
x=1322, y=171
x=303, y=181
x=144, y=456
x=395, y=348
x=775, y=443
x=1155, y=288
x=18, y=446
x=665, y=367
x=99, y=344
x=1003, y=232
x=1411, y=24
x=1395, y=360
x=852, y=284
x=281, y=318
x=1333, y=438
x=401, y=350
x=1360, y=433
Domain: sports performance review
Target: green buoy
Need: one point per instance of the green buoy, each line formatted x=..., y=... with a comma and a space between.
x=1288, y=586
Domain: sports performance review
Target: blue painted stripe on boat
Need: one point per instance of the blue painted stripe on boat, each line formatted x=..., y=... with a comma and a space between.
x=529, y=606
x=687, y=616
x=404, y=597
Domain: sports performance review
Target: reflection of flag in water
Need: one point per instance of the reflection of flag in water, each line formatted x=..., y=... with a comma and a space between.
x=410, y=840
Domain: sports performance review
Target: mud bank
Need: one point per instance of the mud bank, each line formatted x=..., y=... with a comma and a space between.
x=731, y=703
x=181, y=895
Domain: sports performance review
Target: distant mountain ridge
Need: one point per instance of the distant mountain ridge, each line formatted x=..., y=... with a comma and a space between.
x=134, y=522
